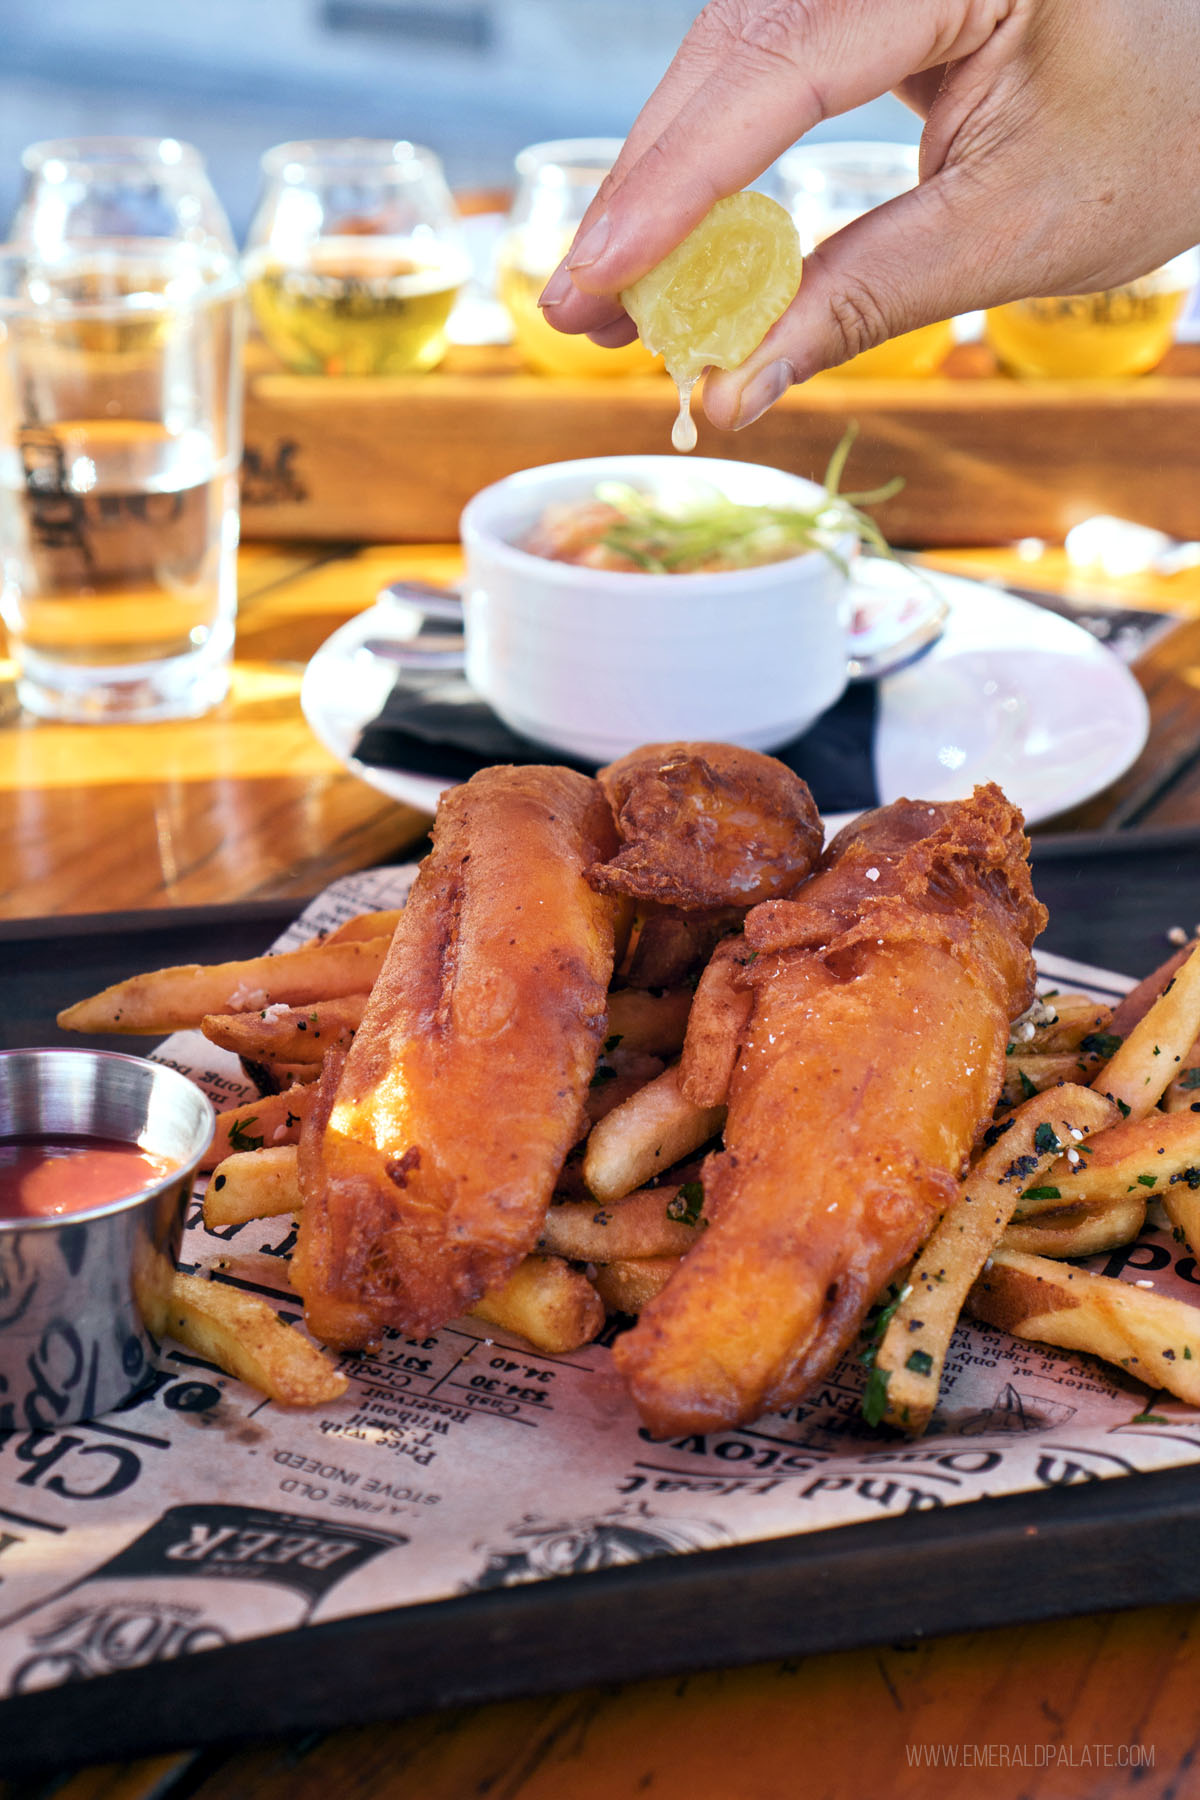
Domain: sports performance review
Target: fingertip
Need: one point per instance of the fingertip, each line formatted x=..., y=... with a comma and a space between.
x=734, y=399
x=612, y=337
x=557, y=288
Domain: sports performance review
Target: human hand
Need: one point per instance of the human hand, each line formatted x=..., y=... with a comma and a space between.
x=1061, y=154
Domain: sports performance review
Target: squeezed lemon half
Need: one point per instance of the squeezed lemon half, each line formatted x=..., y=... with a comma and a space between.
x=712, y=299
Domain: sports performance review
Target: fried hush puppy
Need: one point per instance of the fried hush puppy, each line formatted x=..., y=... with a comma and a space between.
x=869, y=1065
x=431, y=1155
x=707, y=826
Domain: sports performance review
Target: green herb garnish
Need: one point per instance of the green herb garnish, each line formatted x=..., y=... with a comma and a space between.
x=1041, y=1193
x=1045, y=1140
x=874, y=1400
x=878, y=1320
x=686, y=1205
x=707, y=529
x=241, y=1138
x=1101, y=1043
x=920, y=1362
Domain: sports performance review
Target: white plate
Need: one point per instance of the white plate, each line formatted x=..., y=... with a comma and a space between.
x=1011, y=694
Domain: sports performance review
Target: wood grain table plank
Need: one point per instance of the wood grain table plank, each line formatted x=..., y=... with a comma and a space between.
x=985, y=459
x=1099, y=1707
x=148, y=1778
x=242, y=804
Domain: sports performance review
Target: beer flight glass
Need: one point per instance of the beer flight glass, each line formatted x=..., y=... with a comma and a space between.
x=555, y=184
x=355, y=257
x=120, y=433
x=825, y=186
x=1119, y=331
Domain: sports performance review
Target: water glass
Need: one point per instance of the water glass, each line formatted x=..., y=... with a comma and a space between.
x=556, y=182
x=120, y=441
x=355, y=257
x=825, y=186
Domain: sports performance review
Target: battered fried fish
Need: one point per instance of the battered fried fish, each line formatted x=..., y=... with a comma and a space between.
x=871, y=1062
x=707, y=825
x=432, y=1154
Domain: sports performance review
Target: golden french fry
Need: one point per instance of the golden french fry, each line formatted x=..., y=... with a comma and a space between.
x=912, y=1351
x=1137, y=1075
x=662, y=1221
x=1147, y=1334
x=1138, y=1001
x=1025, y=1076
x=277, y=1077
x=627, y=1286
x=153, y=1274
x=259, y=1124
x=1183, y=1095
x=719, y=1017
x=253, y=1184
x=298, y=1034
x=364, y=926
x=1146, y=1157
x=545, y=1301
x=618, y=1075
x=1181, y=1204
x=1071, y=1018
x=1077, y=1230
x=640, y=1020
x=646, y=1135
x=174, y=999
x=244, y=1336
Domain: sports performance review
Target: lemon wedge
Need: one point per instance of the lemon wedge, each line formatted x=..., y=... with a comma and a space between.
x=712, y=299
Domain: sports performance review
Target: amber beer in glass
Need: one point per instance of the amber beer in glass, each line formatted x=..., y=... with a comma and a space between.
x=556, y=183
x=355, y=258
x=825, y=186
x=1119, y=331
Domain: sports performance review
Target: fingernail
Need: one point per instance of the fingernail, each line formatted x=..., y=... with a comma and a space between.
x=762, y=392
x=591, y=245
x=557, y=288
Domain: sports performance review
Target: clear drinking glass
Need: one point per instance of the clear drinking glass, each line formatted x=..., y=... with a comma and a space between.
x=825, y=186
x=120, y=441
x=85, y=190
x=556, y=182
x=355, y=257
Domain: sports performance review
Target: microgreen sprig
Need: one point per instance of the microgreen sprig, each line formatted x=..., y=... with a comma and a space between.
x=665, y=539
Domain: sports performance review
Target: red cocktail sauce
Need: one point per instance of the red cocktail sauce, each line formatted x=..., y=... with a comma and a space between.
x=41, y=1178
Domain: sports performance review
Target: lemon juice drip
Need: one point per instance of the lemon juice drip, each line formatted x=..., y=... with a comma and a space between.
x=683, y=431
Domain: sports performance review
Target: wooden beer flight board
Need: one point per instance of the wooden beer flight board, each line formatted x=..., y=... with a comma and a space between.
x=985, y=459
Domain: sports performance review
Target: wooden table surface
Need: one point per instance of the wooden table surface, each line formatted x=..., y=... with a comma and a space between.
x=246, y=805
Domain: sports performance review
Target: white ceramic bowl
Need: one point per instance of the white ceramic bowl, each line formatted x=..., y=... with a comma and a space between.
x=594, y=662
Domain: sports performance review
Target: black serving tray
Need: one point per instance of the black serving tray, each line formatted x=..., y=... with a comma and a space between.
x=1129, y=1541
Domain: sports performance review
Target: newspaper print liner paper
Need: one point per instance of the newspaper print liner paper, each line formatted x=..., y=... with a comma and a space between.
x=201, y=1514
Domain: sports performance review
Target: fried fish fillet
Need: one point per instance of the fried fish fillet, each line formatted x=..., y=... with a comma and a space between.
x=705, y=826
x=872, y=1059
x=432, y=1154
